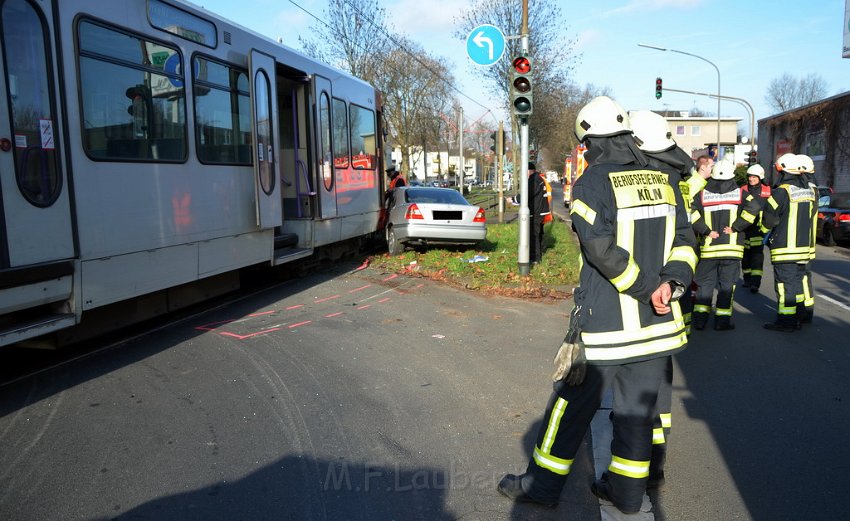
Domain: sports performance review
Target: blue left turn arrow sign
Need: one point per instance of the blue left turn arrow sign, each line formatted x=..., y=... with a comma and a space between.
x=485, y=44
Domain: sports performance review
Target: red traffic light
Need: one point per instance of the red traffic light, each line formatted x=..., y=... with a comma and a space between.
x=522, y=65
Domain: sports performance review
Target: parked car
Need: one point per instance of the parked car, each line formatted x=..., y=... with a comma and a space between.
x=423, y=216
x=834, y=219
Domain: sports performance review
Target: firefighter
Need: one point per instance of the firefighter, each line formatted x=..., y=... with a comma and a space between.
x=720, y=214
x=540, y=196
x=806, y=312
x=637, y=259
x=790, y=215
x=752, y=263
x=662, y=152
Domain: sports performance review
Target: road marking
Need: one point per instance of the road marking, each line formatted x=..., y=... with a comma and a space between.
x=837, y=303
x=299, y=324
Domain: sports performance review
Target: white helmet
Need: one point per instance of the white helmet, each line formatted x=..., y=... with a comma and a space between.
x=805, y=165
x=756, y=170
x=788, y=163
x=601, y=117
x=723, y=170
x=651, y=130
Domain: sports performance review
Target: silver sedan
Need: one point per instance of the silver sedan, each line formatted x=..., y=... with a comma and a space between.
x=421, y=216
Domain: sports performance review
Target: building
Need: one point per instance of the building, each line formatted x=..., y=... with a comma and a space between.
x=441, y=166
x=821, y=130
x=694, y=134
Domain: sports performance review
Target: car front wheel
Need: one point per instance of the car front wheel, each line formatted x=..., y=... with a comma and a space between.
x=393, y=246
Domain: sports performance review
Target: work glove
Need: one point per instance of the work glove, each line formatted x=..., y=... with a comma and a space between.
x=570, y=363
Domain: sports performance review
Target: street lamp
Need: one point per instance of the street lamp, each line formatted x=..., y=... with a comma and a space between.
x=718, y=83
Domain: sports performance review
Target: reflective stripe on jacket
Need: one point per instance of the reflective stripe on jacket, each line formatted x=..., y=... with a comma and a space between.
x=790, y=213
x=634, y=233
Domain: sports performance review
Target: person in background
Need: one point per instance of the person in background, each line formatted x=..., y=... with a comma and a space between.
x=539, y=195
x=720, y=214
x=790, y=215
x=637, y=259
x=752, y=264
x=396, y=180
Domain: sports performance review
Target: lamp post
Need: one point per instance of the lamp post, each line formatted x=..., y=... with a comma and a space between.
x=718, y=83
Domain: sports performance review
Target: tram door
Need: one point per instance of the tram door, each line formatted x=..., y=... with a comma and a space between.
x=266, y=142
x=35, y=215
x=327, y=185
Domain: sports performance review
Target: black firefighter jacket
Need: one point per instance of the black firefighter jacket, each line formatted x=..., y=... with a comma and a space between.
x=790, y=213
x=722, y=204
x=634, y=233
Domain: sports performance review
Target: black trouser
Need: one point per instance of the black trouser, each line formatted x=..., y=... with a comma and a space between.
x=752, y=264
x=788, y=281
x=663, y=423
x=806, y=310
x=719, y=273
x=568, y=415
x=535, y=241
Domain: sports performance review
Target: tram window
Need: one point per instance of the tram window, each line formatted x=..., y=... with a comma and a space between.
x=363, y=146
x=133, y=97
x=325, y=135
x=222, y=113
x=340, y=129
x=33, y=118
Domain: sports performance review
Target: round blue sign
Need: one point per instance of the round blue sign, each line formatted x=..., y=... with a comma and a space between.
x=485, y=45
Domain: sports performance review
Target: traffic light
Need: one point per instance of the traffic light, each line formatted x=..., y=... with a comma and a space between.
x=521, y=86
x=498, y=146
x=658, y=88
x=752, y=157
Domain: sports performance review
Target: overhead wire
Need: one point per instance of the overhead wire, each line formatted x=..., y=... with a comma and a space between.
x=399, y=45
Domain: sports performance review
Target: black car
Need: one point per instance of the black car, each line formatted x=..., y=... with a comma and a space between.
x=834, y=219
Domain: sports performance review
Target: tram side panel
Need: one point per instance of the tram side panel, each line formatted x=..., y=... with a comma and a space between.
x=150, y=216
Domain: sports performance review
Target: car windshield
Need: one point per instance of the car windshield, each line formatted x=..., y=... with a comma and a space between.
x=434, y=195
x=840, y=201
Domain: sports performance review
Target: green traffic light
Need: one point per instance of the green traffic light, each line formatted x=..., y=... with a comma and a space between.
x=522, y=105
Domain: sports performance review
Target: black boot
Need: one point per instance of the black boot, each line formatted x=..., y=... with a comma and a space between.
x=602, y=489
x=723, y=323
x=699, y=320
x=784, y=324
x=511, y=486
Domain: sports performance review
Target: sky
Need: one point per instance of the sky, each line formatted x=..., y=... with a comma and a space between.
x=751, y=42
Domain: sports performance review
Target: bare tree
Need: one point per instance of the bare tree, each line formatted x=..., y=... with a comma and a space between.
x=414, y=95
x=553, y=55
x=353, y=38
x=787, y=92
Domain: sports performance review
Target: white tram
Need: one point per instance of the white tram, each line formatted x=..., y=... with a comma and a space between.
x=149, y=148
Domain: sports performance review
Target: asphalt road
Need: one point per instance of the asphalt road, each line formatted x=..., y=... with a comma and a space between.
x=366, y=396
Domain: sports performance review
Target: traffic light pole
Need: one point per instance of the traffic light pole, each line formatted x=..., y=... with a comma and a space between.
x=500, y=149
x=524, y=212
x=742, y=101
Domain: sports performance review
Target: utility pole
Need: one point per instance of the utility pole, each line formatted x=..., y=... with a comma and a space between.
x=460, y=149
x=500, y=149
x=522, y=177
